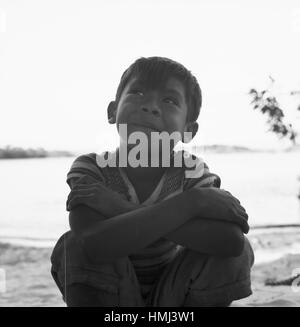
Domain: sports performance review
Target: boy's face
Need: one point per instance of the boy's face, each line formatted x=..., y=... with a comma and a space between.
x=147, y=110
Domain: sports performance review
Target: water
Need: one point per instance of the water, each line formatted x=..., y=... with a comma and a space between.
x=267, y=184
x=33, y=192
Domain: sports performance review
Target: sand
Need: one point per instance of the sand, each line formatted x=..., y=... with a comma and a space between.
x=29, y=283
x=277, y=255
x=28, y=279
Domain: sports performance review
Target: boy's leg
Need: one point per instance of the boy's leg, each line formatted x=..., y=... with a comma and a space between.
x=84, y=283
x=195, y=279
x=85, y=295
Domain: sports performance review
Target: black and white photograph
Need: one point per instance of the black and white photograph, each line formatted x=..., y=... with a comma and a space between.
x=149, y=155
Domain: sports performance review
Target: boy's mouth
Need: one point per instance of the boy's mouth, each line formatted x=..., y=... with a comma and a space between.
x=145, y=125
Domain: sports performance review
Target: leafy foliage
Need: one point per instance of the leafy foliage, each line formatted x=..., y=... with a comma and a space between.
x=269, y=106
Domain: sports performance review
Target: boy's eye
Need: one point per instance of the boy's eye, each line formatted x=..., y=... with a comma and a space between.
x=171, y=101
x=137, y=92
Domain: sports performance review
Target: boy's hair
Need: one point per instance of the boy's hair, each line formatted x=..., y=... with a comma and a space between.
x=155, y=71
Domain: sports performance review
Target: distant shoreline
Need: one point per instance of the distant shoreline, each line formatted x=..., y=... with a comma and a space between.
x=10, y=152
x=19, y=153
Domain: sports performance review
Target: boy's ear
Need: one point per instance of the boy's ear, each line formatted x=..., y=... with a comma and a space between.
x=192, y=128
x=111, y=112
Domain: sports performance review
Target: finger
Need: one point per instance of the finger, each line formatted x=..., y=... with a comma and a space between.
x=245, y=227
x=85, y=179
x=79, y=191
x=239, y=213
x=74, y=203
x=242, y=222
x=95, y=186
x=241, y=210
x=84, y=186
x=100, y=194
x=80, y=199
x=84, y=190
x=76, y=200
x=243, y=214
x=237, y=200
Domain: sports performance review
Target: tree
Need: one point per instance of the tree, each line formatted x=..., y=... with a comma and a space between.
x=269, y=106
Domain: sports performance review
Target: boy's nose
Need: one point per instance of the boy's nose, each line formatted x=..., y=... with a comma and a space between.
x=149, y=109
x=151, y=103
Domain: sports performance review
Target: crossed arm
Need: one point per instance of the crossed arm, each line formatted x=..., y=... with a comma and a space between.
x=133, y=227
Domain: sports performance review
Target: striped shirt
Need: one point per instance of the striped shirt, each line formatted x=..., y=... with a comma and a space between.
x=150, y=261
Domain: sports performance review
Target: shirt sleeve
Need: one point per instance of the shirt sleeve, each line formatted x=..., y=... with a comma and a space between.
x=200, y=175
x=84, y=165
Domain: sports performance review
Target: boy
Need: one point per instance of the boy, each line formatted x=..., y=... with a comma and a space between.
x=148, y=235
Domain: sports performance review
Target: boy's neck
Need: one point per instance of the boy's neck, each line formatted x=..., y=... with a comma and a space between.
x=144, y=173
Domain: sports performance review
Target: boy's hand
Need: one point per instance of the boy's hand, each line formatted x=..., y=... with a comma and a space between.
x=98, y=197
x=212, y=202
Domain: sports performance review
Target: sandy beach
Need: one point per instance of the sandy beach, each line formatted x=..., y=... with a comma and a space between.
x=277, y=255
x=29, y=283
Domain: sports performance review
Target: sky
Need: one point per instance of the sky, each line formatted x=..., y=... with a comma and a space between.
x=61, y=62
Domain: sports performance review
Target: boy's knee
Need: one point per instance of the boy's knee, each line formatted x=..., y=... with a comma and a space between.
x=231, y=268
x=73, y=272
x=221, y=279
x=109, y=284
